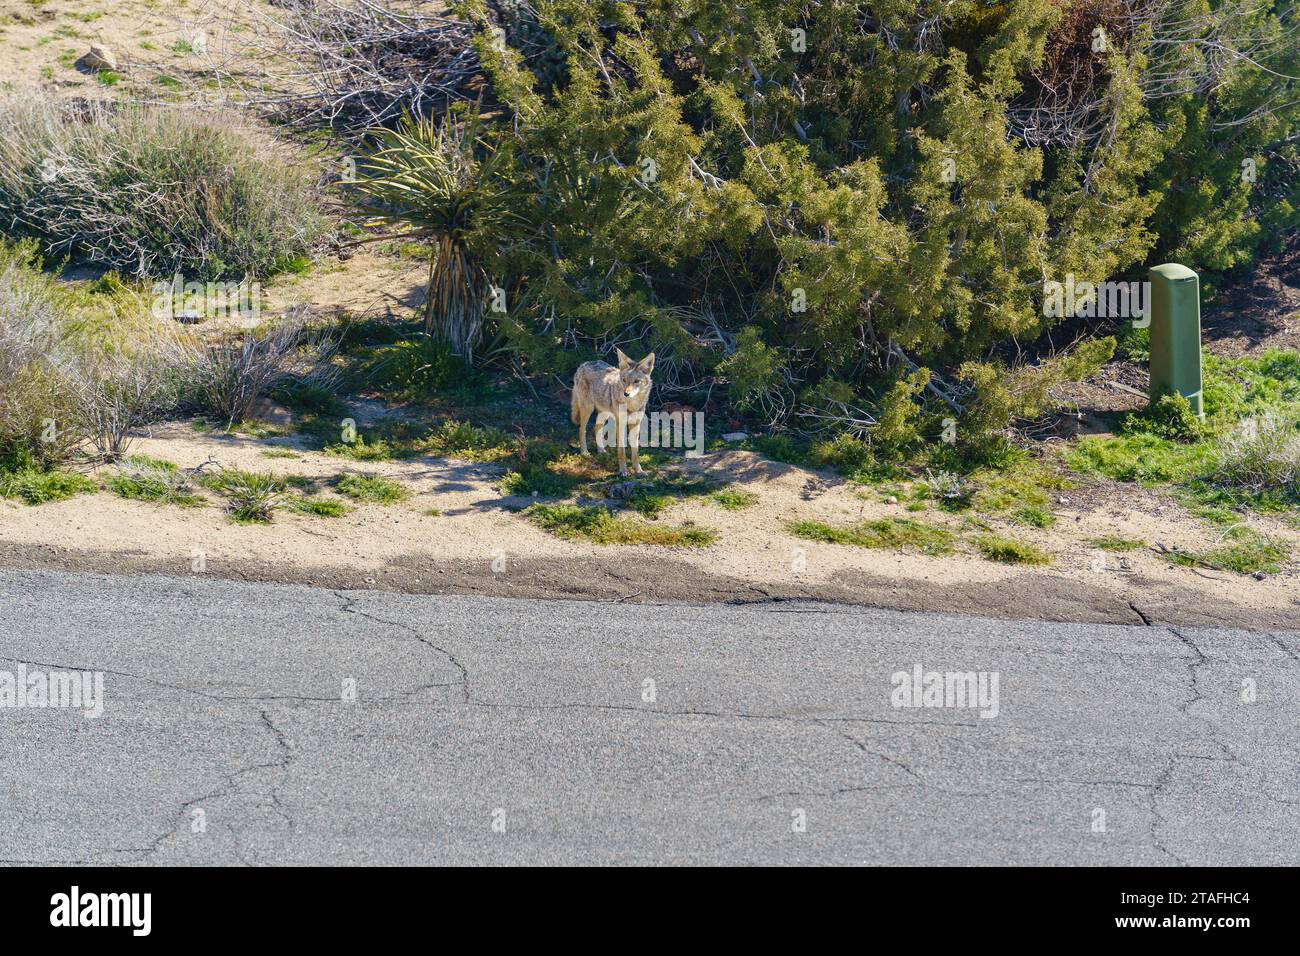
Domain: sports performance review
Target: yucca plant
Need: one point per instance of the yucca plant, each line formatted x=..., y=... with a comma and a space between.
x=252, y=496
x=452, y=187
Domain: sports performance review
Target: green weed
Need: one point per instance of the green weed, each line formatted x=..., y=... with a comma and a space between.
x=598, y=524
x=900, y=534
x=371, y=489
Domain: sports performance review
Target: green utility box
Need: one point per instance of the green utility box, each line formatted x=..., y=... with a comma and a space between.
x=1175, y=312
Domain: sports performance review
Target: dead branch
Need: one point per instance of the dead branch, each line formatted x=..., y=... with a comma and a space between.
x=354, y=64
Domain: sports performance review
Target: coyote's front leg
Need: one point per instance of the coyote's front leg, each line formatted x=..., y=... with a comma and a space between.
x=634, y=439
x=602, y=420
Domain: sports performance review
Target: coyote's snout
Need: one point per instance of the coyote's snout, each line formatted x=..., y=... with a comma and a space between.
x=617, y=395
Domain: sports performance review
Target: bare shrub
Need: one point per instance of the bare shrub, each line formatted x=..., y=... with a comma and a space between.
x=36, y=402
x=228, y=375
x=364, y=62
x=1261, y=454
x=119, y=391
x=153, y=191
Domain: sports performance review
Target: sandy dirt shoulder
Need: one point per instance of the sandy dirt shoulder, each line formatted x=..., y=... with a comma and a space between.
x=478, y=543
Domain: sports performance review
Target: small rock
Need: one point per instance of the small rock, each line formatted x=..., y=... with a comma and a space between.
x=100, y=57
x=626, y=489
x=734, y=436
x=272, y=413
x=890, y=500
x=1259, y=575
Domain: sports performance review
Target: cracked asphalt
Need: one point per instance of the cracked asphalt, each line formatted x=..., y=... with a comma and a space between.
x=611, y=733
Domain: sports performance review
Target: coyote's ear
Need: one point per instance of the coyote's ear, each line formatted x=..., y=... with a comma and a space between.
x=624, y=363
x=647, y=364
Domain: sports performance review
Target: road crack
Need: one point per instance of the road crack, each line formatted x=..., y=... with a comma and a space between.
x=350, y=606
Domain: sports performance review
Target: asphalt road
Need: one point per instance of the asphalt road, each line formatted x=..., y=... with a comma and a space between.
x=499, y=731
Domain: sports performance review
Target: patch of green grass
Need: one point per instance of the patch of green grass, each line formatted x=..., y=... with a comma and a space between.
x=371, y=489
x=256, y=429
x=1236, y=388
x=417, y=369
x=733, y=499
x=471, y=442
x=108, y=77
x=536, y=480
x=1115, y=543
x=780, y=448
x=599, y=524
x=1036, y=516
x=319, y=507
x=900, y=534
x=545, y=467
x=845, y=454
x=35, y=486
x=298, y=264
x=309, y=398
x=1024, y=486
x=432, y=512
x=407, y=250
x=650, y=504
x=995, y=547
x=1141, y=457
x=148, y=461
x=400, y=440
x=1242, y=550
x=357, y=336
x=141, y=478
x=279, y=453
x=362, y=450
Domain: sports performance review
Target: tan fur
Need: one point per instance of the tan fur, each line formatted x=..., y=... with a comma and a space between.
x=617, y=394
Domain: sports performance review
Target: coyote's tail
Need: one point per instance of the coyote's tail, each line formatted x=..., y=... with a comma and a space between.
x=573, y=405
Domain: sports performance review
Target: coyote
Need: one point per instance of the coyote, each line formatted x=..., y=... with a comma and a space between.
x=618, y=395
